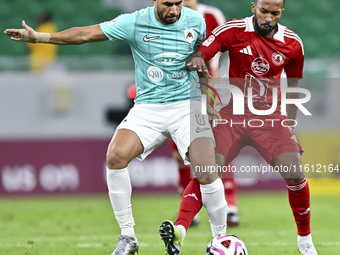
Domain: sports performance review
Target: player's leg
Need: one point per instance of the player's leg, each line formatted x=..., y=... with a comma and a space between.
x=206, y=189
x=299, y=198
x=230, y=188
x=226, y=141
x=143, y=130
x=124, y=146
x=197, y=144
x=279, y=147
x=230, y=191
x=202, y=157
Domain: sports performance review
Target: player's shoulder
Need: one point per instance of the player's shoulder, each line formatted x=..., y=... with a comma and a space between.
x=193, y=17
x=231, y=25
x=291, y=37
x=288, y=33
x=190, y=13
x=139, y=13
x=211, y=10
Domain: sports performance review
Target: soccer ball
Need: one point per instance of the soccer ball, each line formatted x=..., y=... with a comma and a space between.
x=227, y=245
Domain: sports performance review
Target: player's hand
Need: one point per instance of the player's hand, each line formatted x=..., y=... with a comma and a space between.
x=196, y=62
x=213, y=114
x=26, y=35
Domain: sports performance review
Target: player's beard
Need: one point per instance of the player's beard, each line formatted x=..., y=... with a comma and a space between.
x=165, y=20
x=259, y=29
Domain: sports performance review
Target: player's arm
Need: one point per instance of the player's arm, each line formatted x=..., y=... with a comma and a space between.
x=75, y=35
x=196, y=62
x=213, y=114
x=292, y=108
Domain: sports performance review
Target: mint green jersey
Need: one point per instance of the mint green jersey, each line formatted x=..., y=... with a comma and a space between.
x=160, y=52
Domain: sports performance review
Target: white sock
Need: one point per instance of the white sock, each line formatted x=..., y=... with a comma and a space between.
x=119, y=185
x=213, y=199
x=304, y=239
x=183, y=231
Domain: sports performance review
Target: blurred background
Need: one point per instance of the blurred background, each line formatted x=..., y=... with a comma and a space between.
x=58, y=113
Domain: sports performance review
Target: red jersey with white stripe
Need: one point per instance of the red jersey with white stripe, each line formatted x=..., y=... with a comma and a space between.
x=256, y=61
x=213, y=18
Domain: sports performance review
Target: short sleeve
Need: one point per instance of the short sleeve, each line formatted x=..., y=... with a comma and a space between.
x=120, y=27
x=294, y=68
x=219, y=40
x=202, y=35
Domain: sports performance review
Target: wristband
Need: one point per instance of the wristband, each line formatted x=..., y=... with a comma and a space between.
x=39, y=37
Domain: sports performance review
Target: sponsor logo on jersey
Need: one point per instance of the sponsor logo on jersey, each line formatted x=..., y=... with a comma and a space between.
x=155, y=74
x=113, y=21
x=278, y=59
x=260, y=66
x=168, y=57
x=146, y=38
x=247, y=51
x=209, y=41
x=189, y=35
x=177, y=75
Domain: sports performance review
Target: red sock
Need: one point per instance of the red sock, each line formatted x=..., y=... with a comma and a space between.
x=191, y=204
x=184, y=176
x=299, y=200
x=230, y=190
x=229, y=187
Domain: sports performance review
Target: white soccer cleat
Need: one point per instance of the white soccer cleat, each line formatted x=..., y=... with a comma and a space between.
x=126, y=245
x=305, y=245
x=307, y=249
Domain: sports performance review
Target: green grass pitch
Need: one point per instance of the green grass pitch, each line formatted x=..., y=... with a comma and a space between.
x=85, y=225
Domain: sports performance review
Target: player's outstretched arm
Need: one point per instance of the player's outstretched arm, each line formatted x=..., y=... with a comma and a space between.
x=75, y=35
x=196, y=62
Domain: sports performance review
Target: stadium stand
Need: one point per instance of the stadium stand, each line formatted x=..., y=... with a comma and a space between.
x=65, y=14
x=313, y=20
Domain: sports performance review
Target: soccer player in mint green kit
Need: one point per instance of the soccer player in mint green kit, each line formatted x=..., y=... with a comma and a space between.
x=167, y=105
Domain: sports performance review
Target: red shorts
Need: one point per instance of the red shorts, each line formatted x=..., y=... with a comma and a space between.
x=267, y=134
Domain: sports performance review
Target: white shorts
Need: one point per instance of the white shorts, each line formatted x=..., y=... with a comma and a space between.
x=154, y=124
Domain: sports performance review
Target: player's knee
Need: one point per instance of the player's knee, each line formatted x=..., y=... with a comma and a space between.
x=116, y=159
x=206, y=180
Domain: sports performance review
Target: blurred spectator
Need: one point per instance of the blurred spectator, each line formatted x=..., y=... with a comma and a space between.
x=41, y=55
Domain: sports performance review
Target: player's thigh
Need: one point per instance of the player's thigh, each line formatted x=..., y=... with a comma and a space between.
x=124, y=146
x=228, y=143
x=271, y=142
x=187, y=126
x=148, y=123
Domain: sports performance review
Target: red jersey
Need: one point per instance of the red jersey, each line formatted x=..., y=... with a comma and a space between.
x=213, y=18
x=256, y=61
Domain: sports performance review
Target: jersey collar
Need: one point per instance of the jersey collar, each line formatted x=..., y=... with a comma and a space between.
x=278, y=35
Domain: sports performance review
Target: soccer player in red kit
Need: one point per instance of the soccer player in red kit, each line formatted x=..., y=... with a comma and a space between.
x=261, y=51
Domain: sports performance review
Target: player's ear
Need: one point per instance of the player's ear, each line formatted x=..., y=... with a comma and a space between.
x=154, y=2
x=253, y=7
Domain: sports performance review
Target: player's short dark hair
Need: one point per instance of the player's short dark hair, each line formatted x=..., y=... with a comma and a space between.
x=284, y=1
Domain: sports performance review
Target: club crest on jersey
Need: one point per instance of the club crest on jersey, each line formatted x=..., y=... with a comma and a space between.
x=209, y=41
x=189, y=35
x=260, y=66
x=113, y=21
x=278, y=59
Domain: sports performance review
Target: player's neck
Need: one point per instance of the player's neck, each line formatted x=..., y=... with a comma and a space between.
x=270, y=35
